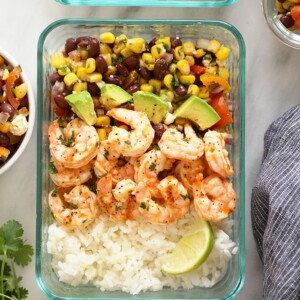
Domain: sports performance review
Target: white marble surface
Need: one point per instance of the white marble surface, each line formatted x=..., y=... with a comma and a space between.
x=271, y=89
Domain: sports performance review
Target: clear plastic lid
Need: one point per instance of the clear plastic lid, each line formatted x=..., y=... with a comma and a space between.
x=161, y=3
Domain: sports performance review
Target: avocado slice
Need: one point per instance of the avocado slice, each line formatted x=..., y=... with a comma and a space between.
x=112, y=96
x=154, y=106
x=83, y=106
x=198, y=111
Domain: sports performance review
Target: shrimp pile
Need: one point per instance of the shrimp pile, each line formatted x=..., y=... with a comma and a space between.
x=131, y=174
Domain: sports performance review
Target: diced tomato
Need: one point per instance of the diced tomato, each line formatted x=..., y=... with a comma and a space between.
x=295, y=13
x=197, y=70
x=220, y=106
x=14, y=75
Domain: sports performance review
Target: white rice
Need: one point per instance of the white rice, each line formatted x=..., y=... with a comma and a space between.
x=128, y=256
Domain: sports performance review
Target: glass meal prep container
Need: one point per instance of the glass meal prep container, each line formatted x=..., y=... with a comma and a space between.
x=161, y=3
x=52, y=40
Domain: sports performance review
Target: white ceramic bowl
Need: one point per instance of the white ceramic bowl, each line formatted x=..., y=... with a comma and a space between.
x=31, y=101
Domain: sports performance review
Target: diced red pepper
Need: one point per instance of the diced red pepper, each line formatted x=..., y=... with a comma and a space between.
x=220, y=106
x=197, y=70
x=14, y=75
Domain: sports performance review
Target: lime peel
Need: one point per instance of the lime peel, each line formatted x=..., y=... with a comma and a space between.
x=191, y=250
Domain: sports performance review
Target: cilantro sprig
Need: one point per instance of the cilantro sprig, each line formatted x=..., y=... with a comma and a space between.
x=13, y=251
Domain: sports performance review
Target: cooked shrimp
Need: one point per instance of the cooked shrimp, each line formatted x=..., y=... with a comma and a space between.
x=76, y=209
x=151, y=164
x=139, y=139
x=182, y=147
x=118, y=203
x=216, y=154
x=173, y=205
x=214, y=197
x=187, y=170
x=75, y=145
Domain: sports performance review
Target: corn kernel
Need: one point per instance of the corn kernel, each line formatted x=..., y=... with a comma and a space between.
x=188, y=48
x=212, y=69
x=158, y=51
x=287, y=5
x=279, y=7
x=126, y=52
x=166, y=41
x=168, y=81
x=4, y=128
x=70, y=79
x=84, y=54
x=148, y=58
x=107, y=58
x=102, y=134
x=90, y=65
x=136, y=45
x=156, y=84
x=58, y=60
x=193, y=89
x=224, y=73
x=213, y=46
x=146, y=87
x=187, y=79
x=94, y=77
x=172, y=68
x=107, y=37
x=1, y=60
x=63, y=71
x=203, y=92
x=111, y=70
x=79, y=87
x=4, y=152
x=223, y=53
x=21, y=90
x=5, y=74
x=183, y=66
x=199, y=53
x=190, y=59
x=81, y=73
x=124, y=127
x=169, y=95
x=178, y=53
x=105, y=49
x=103, y=121
x=121, y=39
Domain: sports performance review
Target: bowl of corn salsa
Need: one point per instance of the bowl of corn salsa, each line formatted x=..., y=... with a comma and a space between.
x=58, y=48
x=17, y=110
x=283, y=18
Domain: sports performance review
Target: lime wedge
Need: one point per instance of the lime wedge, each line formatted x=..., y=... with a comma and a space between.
x=191, y=250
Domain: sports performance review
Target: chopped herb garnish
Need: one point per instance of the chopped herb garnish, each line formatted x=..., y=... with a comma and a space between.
x=106, y=153
x=72, y=205
x=158, y=50
x=61, y=123
x=117, y=60
x=92, y=187
x=52, y=169
x=68, y=142
x=156, y=147
x=54, y=193
x=152, y=167
x=184, y=197
x=175, y=81
x=118, y=208
x=128, y=144
x=143, y=205
x=84, y=220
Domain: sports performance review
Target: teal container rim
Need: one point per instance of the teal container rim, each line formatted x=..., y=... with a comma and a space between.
x=157, y=3
x=242, y=61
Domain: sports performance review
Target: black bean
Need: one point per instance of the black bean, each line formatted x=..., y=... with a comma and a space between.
x=131, y=62
x=145, y=73
x=159, y=129
x=4, y=140
x=133, y=88
x=160, y=69
x=180, y=90
x=175, y=42
x=93, y=88
x=114, y=79
x=91, y=44
x=101, y=64
x=61, y=101
x=122, y=70
x=96, y=101
x=287, y=20
x=55, y=77
x=70, y=45
x=7, y=108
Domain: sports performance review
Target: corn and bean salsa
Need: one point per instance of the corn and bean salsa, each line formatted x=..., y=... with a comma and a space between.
x=167, y=66
x=289, y=13
x=14, y=109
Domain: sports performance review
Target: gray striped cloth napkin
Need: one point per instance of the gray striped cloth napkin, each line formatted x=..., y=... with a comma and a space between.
x=275, y=208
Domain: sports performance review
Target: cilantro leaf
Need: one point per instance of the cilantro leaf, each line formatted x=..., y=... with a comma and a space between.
x=11, y=232
x=23, y=255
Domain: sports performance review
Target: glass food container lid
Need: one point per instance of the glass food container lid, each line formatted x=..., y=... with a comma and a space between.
x=159, y=3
